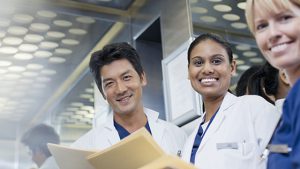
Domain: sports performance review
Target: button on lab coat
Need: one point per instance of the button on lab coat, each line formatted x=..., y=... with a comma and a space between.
x=237, y=136
x=170, y=137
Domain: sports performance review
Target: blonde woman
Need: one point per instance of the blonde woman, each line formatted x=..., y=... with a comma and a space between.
x=275, y=25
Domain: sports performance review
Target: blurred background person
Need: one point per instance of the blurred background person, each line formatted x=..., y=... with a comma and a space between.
x=36, y=140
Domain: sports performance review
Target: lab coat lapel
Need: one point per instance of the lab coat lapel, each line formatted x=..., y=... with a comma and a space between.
x=156, y=129
x=111, y=132
x=228, y=101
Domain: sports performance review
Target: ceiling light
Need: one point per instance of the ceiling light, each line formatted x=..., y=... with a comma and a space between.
x=43, y=79
x=243, y=47
x=3, y=71
x=33, y=66
x=62, y=23
x=47, y=14
x=28, y=47
x=239, y=62
x=48, y=45
x=199, y=10
x=89, y=90
x=208, y=19
x=239, y=25
x=256, y=60
x=231, y=17
x=26, y=81
x=4, y=22
x=57, y=60
x=86, y=96
x=12, y=76
x=70, y=42
x=235, y=56
x=222, y=8
x=63, y=51
x=85, y=19
x=242, y=5
x=42, y=54
x=76, y=104
x=16, y=68
x=48, y=72
x=72, y=109
x=23, y=56
x=55, y=34
x=39, y=27
x=12, y=41
x=4, y=63
x=243, y=67
x=30, y=74
x=17, y=30
x=215, y=0
x=250, y=54
x=8, y=50
x=2, y=34
x=23, y=18
x=33, y=38
x=77, y=31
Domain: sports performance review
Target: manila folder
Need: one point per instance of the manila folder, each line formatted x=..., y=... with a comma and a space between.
x=70, y=158
x=168, y=162
x=134, y=151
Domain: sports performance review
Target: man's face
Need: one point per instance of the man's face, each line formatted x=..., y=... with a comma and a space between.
x=122, y=87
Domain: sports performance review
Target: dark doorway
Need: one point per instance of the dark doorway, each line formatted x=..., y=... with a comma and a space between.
x=149, y=46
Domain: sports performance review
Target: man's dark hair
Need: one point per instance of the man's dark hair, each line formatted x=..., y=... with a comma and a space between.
x=110, y=53
x=214, y=37
x=37, y=138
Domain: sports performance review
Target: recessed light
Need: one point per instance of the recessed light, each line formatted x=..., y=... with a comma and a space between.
x=30, y=74
x=33, y=38
x=242, y=5
x=4, y=22
x=243, y=47
x=47, y=14
x=28, y=47
x=77, y=31
x=55, y=34
x=231, y=17
x=199, y=10
x=85, y=19
x=239, y=25
x=39, y=27
x=23, y=56
x=23, y=18
x=63, y=51
x=256, y=60
x=250, y=54
x=77, y=104
x=70, y=42
x=43, y=79
x=243, y=67
x=4, y=63
x=48, y=72
x=42, y=54
x=208, y=19
x=16, y=68
x=48, y=45
x=222, y=8
x=2, y=34
x=57, y=60
x=17, y=30
x=62, y=23
x=8, y=50
x=240, y=62
x=12, y=41
x=34, y=66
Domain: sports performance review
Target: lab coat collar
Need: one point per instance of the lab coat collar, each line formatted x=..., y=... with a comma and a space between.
x=227, y=102
x=152, y=117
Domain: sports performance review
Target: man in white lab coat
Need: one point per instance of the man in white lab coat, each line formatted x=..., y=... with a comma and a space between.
x=120, y=78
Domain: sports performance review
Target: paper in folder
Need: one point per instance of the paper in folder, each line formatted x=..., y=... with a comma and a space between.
x=136, y=151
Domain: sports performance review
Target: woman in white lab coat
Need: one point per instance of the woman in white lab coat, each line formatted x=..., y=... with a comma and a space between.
x=234, y=131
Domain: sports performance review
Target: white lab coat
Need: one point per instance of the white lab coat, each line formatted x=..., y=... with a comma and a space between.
x=237, y=136
x=49, y=163
x=170, y=137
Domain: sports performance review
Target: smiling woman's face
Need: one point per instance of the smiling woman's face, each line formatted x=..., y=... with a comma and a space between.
x=210, y=70
x=277, y=34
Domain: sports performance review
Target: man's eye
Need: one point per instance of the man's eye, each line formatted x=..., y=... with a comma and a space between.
x=108, y=84
x=127, y=77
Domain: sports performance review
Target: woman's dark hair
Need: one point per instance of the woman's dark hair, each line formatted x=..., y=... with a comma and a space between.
x=264, y=82
x=242, y=84
x=209, y=36
x=110, y=53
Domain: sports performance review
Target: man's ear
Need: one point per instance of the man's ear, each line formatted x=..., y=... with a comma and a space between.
x=143, y=79
x=233, y=67
x=283, y=77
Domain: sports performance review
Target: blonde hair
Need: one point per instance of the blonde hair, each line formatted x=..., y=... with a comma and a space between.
x=268, y=6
